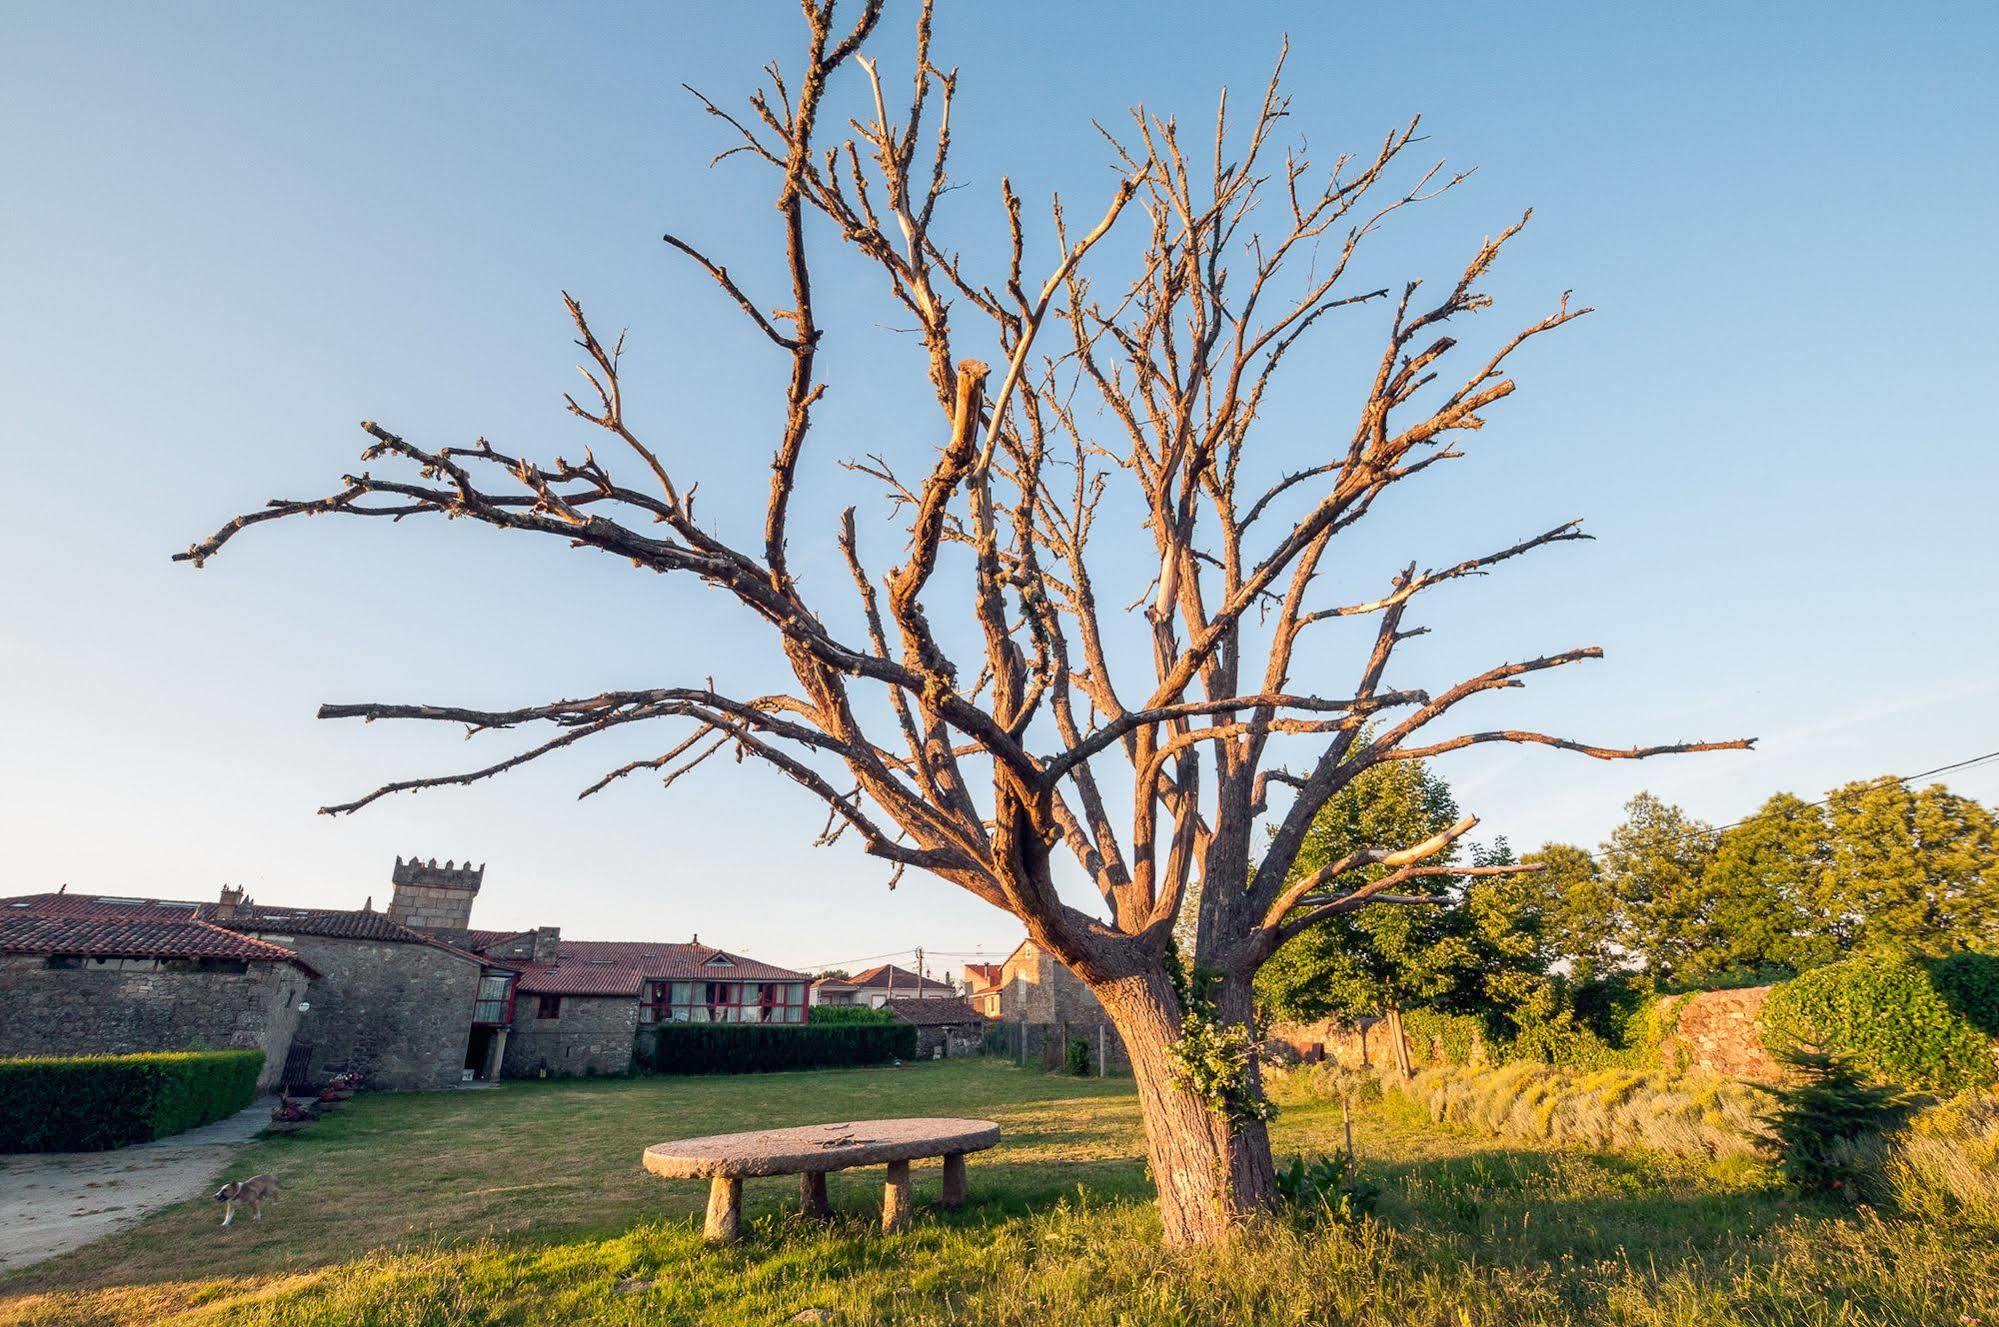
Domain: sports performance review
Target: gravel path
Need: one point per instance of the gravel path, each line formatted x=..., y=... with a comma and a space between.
x=52, y=1202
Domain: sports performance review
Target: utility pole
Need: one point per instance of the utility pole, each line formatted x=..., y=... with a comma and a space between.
x=921, y=975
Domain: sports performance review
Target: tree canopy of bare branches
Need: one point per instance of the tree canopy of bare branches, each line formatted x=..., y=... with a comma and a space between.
x=1155, y=777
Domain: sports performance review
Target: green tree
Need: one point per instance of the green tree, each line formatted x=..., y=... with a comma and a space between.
x=1761, y=884
x=1479, y=950
x=1909, y=872
x=1580, y=920
x=1654, y=865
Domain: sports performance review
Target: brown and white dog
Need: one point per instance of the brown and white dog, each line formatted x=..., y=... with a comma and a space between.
x=256, y=1191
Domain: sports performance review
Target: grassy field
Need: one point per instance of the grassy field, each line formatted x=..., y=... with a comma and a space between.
x=526, y=1205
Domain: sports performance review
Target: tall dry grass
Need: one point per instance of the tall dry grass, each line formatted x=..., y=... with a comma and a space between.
x=1945, y=1168
x=1699, y=1118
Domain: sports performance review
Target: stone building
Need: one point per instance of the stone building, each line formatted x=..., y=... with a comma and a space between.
x=1032, y=986
x=412, y=997
x=580, y=1013
x=875, y=987
x=118, y=976
x=1035, y=1007
x=945, y=1029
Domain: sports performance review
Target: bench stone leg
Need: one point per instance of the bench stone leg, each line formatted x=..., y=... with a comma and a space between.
x=812, y=1195
x=725, y=1209
x=896, y=1197
x=954, y=1180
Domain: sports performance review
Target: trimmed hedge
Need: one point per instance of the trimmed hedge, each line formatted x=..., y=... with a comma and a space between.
x=826, y=1015
x=86, y=1103
x=1969, y=983
x=1889, y=1017
x=755, y=1048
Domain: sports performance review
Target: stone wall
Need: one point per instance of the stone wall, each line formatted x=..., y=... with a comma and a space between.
x=1717, y=1032
x=1359, y=1044
x=949, y=1041
x=592, y=1034
x=127, y=1006
x=399, y=1013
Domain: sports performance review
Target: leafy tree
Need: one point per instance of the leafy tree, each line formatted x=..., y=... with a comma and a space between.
x=1477, y=950
x=1760, y=884
x=1654, y=865
x=1909, y=872
x=1579, y=915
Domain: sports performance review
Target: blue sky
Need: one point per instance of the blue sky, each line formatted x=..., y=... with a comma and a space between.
x=233, y=231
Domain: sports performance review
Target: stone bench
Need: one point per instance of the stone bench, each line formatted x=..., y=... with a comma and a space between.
x=813, y=1151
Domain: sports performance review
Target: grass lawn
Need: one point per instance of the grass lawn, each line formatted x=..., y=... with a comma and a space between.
x=527, y=1205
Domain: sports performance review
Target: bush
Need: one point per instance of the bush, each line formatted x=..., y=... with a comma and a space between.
x=1828, y=1126
x=90, y=1102
x=834, y=1015
x=752, y=1048
x=1078, y=1059
x=1969, y=984
x=1888, y=1016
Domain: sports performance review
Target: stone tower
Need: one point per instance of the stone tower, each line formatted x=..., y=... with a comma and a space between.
x=430, y=895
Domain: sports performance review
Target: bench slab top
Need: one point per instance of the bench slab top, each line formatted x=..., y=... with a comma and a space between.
x=817, y=1147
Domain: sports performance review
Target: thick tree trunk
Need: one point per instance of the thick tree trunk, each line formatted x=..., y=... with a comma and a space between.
x=1398, y=1042
x=1210, y=1174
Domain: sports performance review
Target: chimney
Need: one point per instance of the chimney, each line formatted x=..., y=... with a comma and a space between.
x=546, y=940
x=429, y=896
x=225, y=907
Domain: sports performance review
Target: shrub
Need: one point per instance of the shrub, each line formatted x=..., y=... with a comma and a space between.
x=828, y=1015
x=750, y=1048
x=91, y=1102
x=1328, y=1188
x=1828, y=1125
x=1945, y=1167
x=1969, y=984
x=1888, y=1017
x=1077, y=1061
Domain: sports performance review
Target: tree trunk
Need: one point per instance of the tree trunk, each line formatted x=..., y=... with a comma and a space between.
x=1398, y=1041
x=1210, y=1175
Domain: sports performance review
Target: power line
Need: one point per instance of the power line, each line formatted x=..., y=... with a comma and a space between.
x=1885, y=778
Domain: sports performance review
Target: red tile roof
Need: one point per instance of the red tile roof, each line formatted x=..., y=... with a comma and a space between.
x=877, y=978
x=620, y=967
x=250, y=918
x=984, y=976
x=108, y=937
x=933, y=1012
x=100, y=905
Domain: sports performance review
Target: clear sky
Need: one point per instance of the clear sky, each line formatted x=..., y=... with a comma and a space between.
x=229, y=231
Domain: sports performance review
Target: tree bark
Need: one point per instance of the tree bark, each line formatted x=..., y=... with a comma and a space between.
x=1398, y=1041
x=1210, y=1174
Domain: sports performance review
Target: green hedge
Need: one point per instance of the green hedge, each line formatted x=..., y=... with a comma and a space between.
x=1888, y=1015
x=83, y=1103
x=752, y=1048
x=827, y=1015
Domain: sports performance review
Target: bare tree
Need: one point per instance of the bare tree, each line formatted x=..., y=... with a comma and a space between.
x=1151, y=397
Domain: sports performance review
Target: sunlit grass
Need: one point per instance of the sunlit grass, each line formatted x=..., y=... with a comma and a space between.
x=527, y=1206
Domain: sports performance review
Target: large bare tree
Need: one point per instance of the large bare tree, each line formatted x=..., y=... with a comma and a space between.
x=1148, y=396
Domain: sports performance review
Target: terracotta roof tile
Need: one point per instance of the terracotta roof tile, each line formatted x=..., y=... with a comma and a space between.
x=109, y=937
x=934, y=1012
x=877, y=978
x=620, y=967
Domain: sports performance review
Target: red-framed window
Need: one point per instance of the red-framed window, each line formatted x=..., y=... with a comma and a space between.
x=550, y=1006
x=723, y=1002
x=494, y=1004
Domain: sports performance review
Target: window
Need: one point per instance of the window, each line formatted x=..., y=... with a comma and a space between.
x=723, y=1002
x=550, y=1007
x=495, y=1001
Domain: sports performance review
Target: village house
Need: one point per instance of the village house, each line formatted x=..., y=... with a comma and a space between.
x=412, y=997
x=1031, y=986
x=945, y=1028
x=878, y=985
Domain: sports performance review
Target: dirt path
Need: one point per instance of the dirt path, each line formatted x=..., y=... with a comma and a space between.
x=53, y=1202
